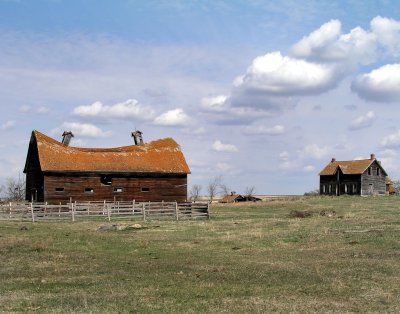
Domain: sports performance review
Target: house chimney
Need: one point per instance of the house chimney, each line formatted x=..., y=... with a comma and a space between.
x=67, y=135
x=137, y=137
x=333, y=159
x=372, y=156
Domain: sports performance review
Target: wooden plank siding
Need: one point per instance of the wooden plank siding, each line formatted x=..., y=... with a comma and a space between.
x=372, y=184
x=138, y=187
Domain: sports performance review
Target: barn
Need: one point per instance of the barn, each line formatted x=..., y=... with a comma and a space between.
x=56, y=172
x=353, y=177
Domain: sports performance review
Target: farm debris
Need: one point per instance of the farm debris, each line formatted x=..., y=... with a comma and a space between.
x=327, y=213
x=119, y=227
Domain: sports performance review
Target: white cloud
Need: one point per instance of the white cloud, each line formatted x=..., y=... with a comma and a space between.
x=328, y=44
x=221, y=147
x=391, y=140
x=81, y=129
x=316, y=152
x=7, y=125
x=215, y=103
x=382, y=84
x=284, y=156
x=275, y=74
x=363, y=122
x=327, y=34
x=42, y=110
x=24, y=108
x=175, y=117
x=309, y=168
x=388, y=33
x=130, y=109
x=223, y=167
x=260, y=129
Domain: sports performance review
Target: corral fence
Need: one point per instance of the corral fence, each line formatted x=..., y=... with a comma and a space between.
x=107, y=210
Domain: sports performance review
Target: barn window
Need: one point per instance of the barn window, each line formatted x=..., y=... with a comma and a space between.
x=145, y=189
x=378, y=171
x=369, y=171
x=59, y=190
x=89, y=190
x=118, y=190
x=105, y=180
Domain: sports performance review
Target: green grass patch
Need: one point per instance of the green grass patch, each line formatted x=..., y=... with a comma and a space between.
x=247, y=258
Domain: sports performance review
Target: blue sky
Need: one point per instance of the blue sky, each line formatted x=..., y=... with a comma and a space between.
x=262, y=93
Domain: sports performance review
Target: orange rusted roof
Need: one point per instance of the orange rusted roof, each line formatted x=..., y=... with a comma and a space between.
x=347, y=167
x=230, y=198
x=161, y=156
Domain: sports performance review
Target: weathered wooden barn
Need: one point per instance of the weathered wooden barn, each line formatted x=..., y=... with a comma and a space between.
x=353, y=177
x=56, y=172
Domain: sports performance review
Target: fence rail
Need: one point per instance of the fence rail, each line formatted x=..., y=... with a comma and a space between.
x=108, y=210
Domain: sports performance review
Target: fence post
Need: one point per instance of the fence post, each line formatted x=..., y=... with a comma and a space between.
x=108, y=212
x=45, y=208
x=144, y=211
x=10, y=210
x=73, y=212
x=176, y=210
x=104, y=207
x=133, y=207
x=59, y=210
x=208, y=210
x=33, y=216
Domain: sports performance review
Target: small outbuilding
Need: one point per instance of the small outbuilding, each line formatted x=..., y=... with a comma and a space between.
x=232, y=198
x=353, y=177
x=57, y=172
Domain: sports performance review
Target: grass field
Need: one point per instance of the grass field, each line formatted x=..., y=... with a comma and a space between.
x=250, y=258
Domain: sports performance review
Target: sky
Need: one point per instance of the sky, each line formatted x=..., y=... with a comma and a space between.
x=258, y=93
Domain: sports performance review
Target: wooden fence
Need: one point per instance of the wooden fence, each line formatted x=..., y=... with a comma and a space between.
x=107, y=210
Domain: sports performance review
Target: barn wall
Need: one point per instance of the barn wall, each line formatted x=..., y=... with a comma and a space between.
x=373, y=183
x=160, y=188
x=34, y=177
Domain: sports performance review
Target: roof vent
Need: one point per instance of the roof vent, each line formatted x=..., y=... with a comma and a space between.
x=372, y=156
x=333, y=159
x=137, y=137
x=67, y=135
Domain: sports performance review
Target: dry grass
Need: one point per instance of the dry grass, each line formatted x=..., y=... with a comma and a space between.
x=247, y=258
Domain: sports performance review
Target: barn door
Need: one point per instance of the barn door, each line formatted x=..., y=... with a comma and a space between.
x=371, y=189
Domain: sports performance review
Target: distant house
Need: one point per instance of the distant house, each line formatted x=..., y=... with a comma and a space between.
x=353, y=177
x=56, y=172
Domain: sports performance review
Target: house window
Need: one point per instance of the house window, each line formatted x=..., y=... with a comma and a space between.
x=89, y=190
x=369, y=171
x=145, y=189
x=118, y=190
x=60, y=190
x=378, y=171
x=105, y=180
